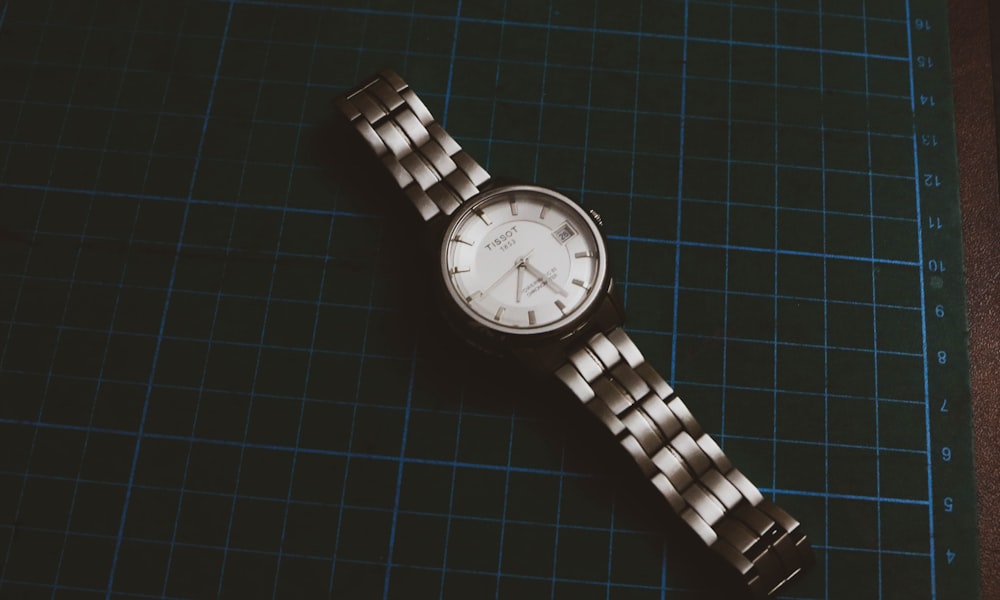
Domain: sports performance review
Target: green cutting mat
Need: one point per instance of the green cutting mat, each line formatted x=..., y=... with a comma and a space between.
x=220, y=373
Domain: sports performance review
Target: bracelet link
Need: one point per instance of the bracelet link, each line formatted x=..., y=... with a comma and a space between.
x=688, y=468
x=427, y=164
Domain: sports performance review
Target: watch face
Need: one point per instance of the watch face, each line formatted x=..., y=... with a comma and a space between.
x=523, y=259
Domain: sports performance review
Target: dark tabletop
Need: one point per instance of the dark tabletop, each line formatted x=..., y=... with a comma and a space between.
x=974, y=73
x=220, y=374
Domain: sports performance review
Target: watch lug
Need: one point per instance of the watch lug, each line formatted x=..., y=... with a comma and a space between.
x=611, y=313
x=432, y=235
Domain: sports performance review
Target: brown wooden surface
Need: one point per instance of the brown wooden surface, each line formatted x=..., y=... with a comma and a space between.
x=975, y=126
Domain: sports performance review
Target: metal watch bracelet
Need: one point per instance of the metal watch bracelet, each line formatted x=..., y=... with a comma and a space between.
x=428, y=164
x=607, y=373
x=610, y=376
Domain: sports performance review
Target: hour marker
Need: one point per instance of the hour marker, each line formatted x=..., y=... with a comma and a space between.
x=499, y=314
x=545, y=209
x=531, y=317
x=455, y=270
x=560, y=306
x=474, y=296
x=483, y=216
x=461, y=241
x=585, y=254
x=513, y=207
x=579, y=282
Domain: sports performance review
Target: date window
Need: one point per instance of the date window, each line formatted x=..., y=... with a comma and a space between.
x=564, y=233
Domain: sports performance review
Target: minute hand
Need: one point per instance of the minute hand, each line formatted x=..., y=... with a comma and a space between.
x=552, y=284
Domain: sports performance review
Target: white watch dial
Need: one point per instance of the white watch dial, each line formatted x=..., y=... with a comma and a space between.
x=523, y=259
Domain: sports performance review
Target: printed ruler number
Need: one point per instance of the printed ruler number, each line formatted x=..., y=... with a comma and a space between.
x=945, y=390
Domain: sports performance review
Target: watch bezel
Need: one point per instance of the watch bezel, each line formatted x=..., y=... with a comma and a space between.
x=468, y=319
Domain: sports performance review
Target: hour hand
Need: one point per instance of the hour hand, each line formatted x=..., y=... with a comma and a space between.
x=549, y=282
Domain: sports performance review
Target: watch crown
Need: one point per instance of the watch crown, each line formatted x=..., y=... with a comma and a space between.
x=596, y=216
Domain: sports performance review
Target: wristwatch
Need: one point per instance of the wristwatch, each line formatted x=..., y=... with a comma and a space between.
x=523, y=272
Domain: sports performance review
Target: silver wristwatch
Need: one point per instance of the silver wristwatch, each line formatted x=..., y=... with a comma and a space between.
x=524, y=272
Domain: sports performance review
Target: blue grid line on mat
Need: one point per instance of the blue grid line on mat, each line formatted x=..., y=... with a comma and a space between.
x=399, y=565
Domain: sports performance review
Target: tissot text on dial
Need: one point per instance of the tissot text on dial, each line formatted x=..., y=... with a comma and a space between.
x=504, y=240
